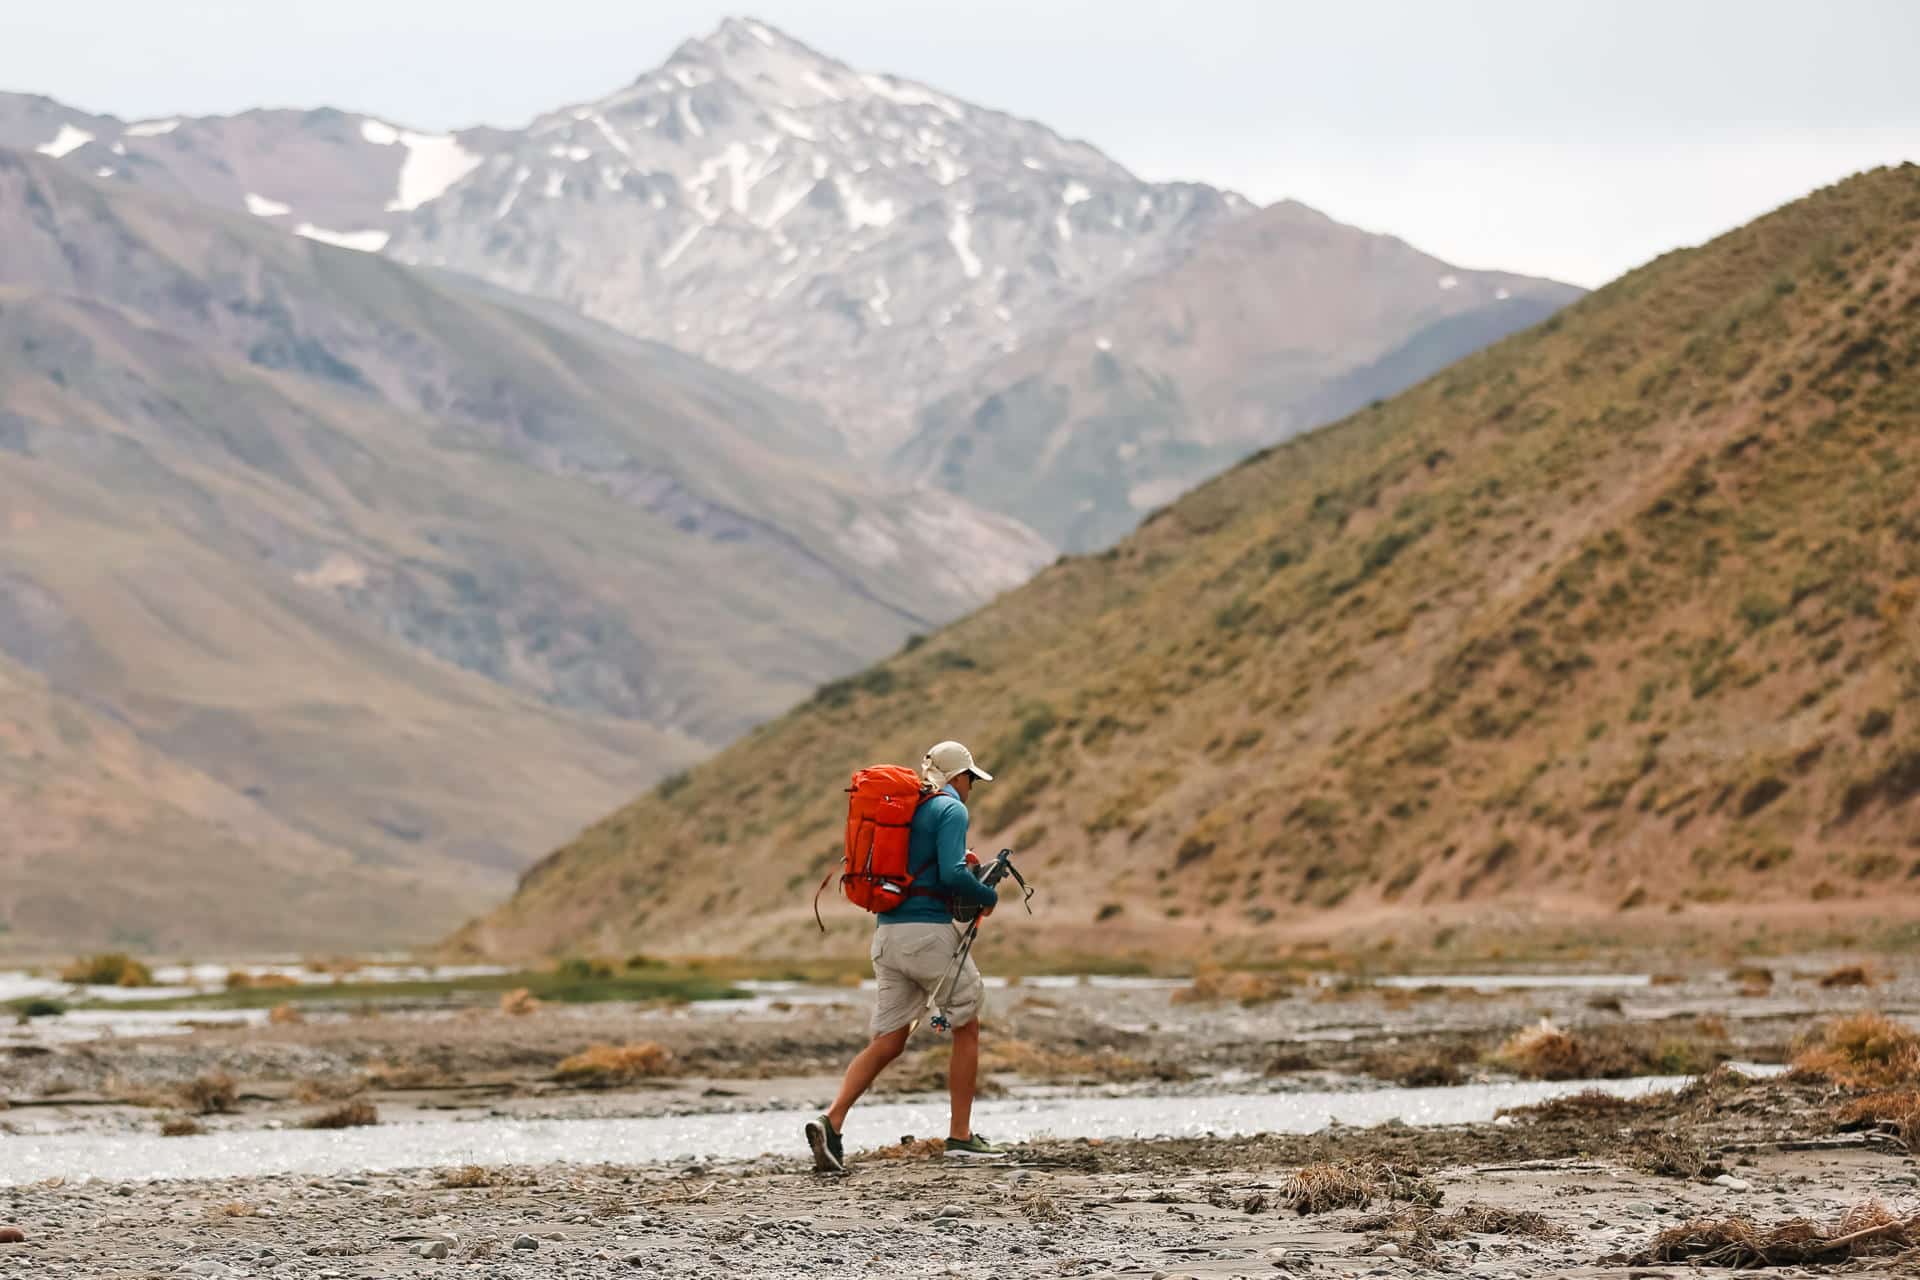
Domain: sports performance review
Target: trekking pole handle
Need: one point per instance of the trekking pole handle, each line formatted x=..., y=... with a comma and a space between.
x=1002, y=867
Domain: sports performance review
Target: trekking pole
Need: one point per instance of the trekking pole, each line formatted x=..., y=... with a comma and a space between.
x=995, y=871
x=952, y=975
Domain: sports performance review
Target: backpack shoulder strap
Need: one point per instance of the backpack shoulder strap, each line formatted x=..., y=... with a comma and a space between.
x=927, y=804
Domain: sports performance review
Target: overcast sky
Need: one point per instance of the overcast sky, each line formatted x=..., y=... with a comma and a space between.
x=1571, y=138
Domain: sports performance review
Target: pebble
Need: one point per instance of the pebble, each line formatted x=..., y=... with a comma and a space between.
x=1732, y=1183
x=1388, y=1250
x=12, y=1235
x=431, y=1249
x=525, y=1242
x=952, y=1211
x=1638, y=1206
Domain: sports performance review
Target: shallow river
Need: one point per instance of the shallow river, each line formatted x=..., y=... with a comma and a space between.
x=733, y=1136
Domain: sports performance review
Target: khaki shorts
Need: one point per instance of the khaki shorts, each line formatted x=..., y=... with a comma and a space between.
x=910, y=960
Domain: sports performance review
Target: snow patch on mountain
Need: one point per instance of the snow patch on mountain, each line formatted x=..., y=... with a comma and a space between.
x=69, y=139
x=361, y=241
x=960, y=236
x=861, y=211
x=435, y=161
x=261, y=207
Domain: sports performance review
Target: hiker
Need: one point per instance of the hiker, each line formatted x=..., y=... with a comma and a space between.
x=914, y=947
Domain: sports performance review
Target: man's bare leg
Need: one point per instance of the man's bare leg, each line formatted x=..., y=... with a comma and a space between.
x=866, y=1068
x=962, y=1071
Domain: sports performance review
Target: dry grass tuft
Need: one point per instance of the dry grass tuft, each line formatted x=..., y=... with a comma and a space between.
x=518, y=1003
x=1724, y=1078
x=605, y=1066
x=1861, y=1051
x=1217, y=986
x=211, y=1094
x=328, y=1089
x=1318, y=1188
x=1041, y=1062
x=1668, y=1155
x=285, y=1015
x=181, y=1127
x=1866, y=1230
x=1038, y=1206
x=412, y=1075
x=1417, y=1068
x=1585, y=1105
x=237, y=1209
x=241, y=980
x=113, y=969
x=911, y=1148
x=1896, y=1111
x=1848, y=975
x=1419, y=1232
x=470, y=1176
x=924, y=1071
x=351, y=1115
x=1545, y=1052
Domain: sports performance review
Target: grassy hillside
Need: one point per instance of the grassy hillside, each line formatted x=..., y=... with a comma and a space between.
x=372, y=574
x=1272, y=324
x=1613, y=621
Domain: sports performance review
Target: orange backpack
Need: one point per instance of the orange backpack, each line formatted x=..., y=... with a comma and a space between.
x=880, y=806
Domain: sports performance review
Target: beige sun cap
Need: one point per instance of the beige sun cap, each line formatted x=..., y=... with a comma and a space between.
x=950, y=759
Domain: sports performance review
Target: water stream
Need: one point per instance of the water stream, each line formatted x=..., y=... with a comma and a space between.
x=494, y=1140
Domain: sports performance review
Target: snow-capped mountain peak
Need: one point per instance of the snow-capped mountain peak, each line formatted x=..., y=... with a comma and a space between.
x=845, y=235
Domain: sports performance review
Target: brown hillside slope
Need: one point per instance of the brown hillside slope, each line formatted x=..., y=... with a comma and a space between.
x=1614, y=617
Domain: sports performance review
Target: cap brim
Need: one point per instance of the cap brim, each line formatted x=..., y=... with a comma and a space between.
x=980, y=773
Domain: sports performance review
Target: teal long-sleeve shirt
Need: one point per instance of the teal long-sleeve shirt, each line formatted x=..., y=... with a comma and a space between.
x=937, y=857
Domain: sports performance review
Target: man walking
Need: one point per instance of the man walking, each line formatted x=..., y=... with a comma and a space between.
x=914, y=947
